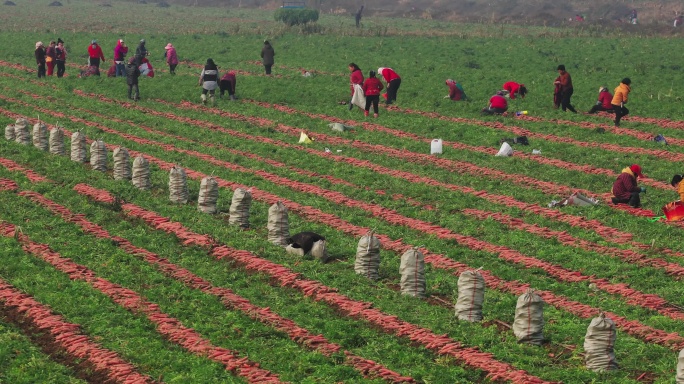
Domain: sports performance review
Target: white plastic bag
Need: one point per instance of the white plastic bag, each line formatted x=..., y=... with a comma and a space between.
x=359, y=99
x=505, y=150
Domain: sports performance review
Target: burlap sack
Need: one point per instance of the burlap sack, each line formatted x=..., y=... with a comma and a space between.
x=208, y=195
x=178, y=185
x=278, y=225
x=471, y=287
x=56, y=141
x=40, y=136
x=21, y=131
x=368, y=256
x=98, y=156
x=141, y=173
x=122, y=164
x=679, y=379
x=528, y=325
x=9, y=132
x=319, y=251
x=412, y=270
x=599, y=343
x=239, y=208
x=78, y=147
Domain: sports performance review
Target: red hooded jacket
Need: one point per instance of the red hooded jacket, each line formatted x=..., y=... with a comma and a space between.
x=388, y=74
x=356, y=77
x=95, y=52
x=606, y=98
x=372, y=86
x=512, y=87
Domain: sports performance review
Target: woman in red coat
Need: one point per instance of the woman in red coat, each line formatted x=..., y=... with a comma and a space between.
x=497, y=105
x=514, y=89
x=371, y=88
x=96, y=55
x=604, y=101
x=356, y=77
x=393, y=82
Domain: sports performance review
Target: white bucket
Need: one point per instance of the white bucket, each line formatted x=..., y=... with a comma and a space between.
x=436, y=147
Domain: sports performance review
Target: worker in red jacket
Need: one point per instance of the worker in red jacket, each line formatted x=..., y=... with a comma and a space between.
x=95, y=54
x=356, y=77
x=393, y=82
x=604, y=101
x=625, y=189
x=371, y=88
x=515, y=89
x=497, y=105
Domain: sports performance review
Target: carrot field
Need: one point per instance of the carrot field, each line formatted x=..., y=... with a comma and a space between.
x=103, y=282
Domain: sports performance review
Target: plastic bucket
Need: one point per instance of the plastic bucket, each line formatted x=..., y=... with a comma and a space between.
x=436, y=147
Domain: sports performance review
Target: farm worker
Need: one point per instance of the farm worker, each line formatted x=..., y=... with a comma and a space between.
x=497, y=105
x=356, y=77
x=40, y=58
x=171, y=58
x=371, y=88
x=604, y=101
x=357, y=17
x=678, y=185
x=267, y=53
x=132, y=75
x=633, y=17
x=141, y=52
x=209, y=81
x=515, y=89
x=456, y=92
x=393, y=82
x=50, y=56
x=620, y=99
x=625, y=189
x=60, y=57
x=95, y=54
x=120, y=52
x=564, y=86
x=678, y=21
x=227, y=83
x=146, y=68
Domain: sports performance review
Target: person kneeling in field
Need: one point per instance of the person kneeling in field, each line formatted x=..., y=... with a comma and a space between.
x=497, y=105
x=678, y=185
x=625, y=189
x=132, y=75
x=456, y=92
x=513, y=89
x=604, y=101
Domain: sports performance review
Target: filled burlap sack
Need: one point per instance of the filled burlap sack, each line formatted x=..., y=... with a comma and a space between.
x=239, y=208
x=141, y=173
x=21, y=131
x=367, y=261
x=40, y=136
x=98, y=156
x=412, y=270
x=178, y=185
x=79, y=150
x=122, y=164
x=471, y=287
x=599, y=343
x=278, y=225
x=56, y=141
x=528, y=325
x=9, y=132
x=208, y=195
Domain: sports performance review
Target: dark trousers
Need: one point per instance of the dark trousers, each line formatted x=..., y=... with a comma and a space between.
x=132, y=87
x=172, y=68
x=633, y=201
x=120, y=70
x=95, y=62
x=372, y=99
x=597, y=108
x=619, y=112
x=41, y=70
x=225, y=85
x=392, y=89
x=267, y=67
x=60, y=68
x=565, y=100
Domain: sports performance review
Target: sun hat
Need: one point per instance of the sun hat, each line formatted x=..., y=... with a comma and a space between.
x=168, y=46
x=142, y=41
x=636, y=168
x=39, y=44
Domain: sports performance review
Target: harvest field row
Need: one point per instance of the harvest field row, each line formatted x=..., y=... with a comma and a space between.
x=175, y=295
